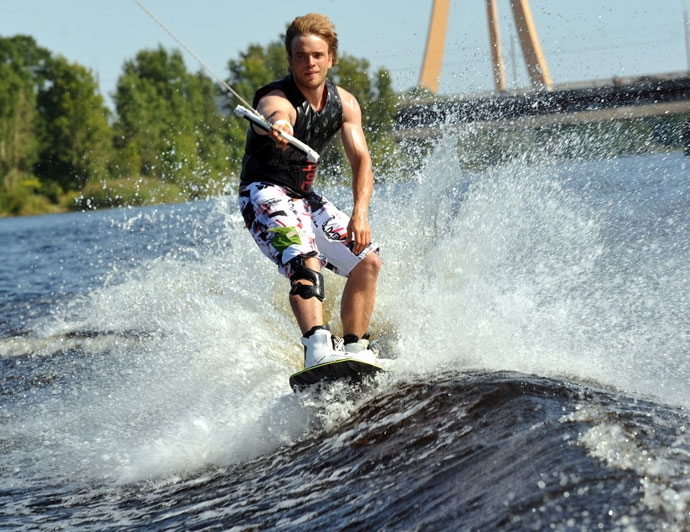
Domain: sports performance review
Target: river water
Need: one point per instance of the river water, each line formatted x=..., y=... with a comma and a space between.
x=536, y=315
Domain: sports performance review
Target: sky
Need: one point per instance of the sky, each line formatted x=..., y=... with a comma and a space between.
x=582, y=40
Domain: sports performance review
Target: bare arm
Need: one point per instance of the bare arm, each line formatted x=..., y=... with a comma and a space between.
x=357, y=152
x=275, y=107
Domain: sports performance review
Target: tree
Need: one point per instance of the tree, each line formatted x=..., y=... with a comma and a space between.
x=76, y=136
x=21, y=65
x=18, y=139
x=377, y=100
x=169, y=125
x=54, y=133
x=257, y=67
x=21, y=61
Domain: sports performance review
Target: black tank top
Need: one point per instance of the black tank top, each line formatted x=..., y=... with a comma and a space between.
x=264, y=162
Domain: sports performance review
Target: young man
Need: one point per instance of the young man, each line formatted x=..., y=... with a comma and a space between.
x=296, y=228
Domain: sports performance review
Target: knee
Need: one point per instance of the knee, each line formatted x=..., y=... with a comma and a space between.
x=300, y=273
x=370, y=266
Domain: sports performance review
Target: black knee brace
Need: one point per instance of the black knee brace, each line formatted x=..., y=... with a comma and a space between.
x=306, y=291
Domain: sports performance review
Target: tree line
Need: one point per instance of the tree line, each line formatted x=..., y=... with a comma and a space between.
x=172, y=135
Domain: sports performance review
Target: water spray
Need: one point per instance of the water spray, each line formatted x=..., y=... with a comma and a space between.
x=245, y=110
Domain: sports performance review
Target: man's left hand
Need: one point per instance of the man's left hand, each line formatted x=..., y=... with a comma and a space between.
x=358, y=233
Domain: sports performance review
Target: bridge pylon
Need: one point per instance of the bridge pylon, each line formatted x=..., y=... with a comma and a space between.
x=527, y=33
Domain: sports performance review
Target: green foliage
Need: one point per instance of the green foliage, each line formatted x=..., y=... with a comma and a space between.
x=18, y=120
x=14, y=192
x=76, y=135
x=169, y=127
x=257, y=67
x=173, y=136
x=378, y=101
x=379, y=112
x=20, y=64
x=54, y=133
x=126, y=191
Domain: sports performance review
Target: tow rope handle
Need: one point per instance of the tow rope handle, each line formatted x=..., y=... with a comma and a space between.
x=254, y=118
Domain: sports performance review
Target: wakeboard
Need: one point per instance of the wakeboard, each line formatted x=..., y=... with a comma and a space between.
x=346, y=369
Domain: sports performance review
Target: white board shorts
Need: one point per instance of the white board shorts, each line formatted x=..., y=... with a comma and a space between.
x=286, y=228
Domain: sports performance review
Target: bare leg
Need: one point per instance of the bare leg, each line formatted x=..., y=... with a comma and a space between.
x=359, y=295
x=308, y=312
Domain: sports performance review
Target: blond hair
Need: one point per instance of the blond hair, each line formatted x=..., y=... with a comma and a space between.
x=313, y=24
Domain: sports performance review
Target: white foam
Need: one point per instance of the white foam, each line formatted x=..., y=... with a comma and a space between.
x=504, y=269
x=526, y=273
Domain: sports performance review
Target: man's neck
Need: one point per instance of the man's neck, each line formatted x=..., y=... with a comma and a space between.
x=316, y=96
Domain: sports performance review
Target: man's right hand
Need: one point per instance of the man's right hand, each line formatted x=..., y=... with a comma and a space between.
x=280, y=125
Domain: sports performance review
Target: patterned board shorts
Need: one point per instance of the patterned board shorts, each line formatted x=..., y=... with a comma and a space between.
x=286, y=228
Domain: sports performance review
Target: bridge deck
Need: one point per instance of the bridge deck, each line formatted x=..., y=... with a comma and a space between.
x=619, y=99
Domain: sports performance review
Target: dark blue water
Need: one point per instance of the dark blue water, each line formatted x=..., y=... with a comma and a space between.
x=537, y=316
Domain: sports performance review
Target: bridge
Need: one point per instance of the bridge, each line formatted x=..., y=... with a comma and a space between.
x=615, y=99
x=544, y=105
x=527, y=34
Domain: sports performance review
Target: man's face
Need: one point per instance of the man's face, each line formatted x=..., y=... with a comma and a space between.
x=310, y=60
